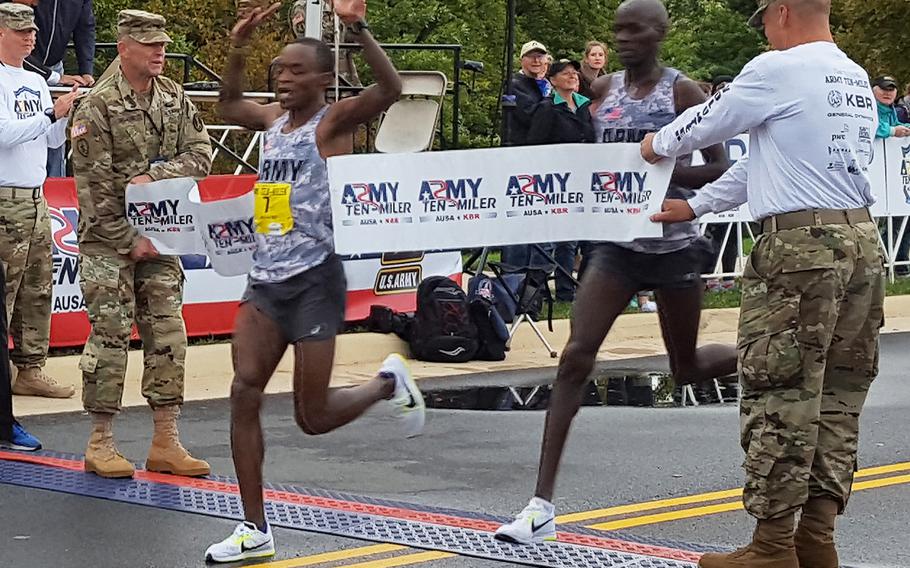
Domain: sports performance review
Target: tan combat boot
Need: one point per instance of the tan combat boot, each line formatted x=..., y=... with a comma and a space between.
x=815, y=534
x=102, y=457
x=167, y=455
x=771, y=547
x=33, y=382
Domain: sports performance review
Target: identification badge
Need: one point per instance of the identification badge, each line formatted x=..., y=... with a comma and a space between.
x=273, y=208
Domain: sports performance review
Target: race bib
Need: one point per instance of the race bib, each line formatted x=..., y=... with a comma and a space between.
x=273, y=208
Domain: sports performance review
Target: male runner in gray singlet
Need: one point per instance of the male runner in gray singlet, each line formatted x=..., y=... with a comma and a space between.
x=296, y=292
x=641, y=99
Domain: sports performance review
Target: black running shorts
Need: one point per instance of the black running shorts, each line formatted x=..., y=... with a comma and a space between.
x=650, y=271
x=308, y=306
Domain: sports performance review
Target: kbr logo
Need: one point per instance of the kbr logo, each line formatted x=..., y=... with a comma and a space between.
x=63, y=230
x=373, y=198
x=620, y=187
x=440, y=195
x=541, y=189
x=859, y=101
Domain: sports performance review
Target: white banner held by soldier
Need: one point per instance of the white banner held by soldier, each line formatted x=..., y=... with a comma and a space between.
x=162, y=212
x=227, y=230
x=473, y=198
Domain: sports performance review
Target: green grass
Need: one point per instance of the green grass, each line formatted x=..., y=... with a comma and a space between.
x=729, y=299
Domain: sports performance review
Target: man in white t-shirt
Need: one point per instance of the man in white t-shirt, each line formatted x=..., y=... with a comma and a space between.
x=30, y=123
x=813, y=290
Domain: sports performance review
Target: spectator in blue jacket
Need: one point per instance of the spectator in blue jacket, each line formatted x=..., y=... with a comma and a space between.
x=885, y=90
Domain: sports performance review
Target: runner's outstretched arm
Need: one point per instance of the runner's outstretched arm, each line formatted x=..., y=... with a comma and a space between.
x=231, y=106
x=346, y=115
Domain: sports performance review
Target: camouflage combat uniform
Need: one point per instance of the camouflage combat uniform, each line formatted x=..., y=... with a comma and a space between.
x=119, y=134
x=25, y=250
x=812, y=307
x=25, y=227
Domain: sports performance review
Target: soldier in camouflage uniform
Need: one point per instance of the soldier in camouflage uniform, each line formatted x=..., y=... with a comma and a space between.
x=814, y=287
x=135, y=127
x=31, y=126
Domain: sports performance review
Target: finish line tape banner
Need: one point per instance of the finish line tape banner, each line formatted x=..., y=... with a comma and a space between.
x=475, y=198
x=211, y=299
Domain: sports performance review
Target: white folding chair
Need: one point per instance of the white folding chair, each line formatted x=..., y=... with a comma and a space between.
x=410, y=123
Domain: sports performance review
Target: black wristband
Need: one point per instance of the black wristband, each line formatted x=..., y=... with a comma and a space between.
x=51, y=115
x=358, y=26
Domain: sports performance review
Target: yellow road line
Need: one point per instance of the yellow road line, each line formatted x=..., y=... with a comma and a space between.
x=886, y=482
x=428, y=556
x=668, y=516
x=883, y=469
x=699, y=498
x=657, y=518
x=331, y=556
x=726, y=507
x=648, y=506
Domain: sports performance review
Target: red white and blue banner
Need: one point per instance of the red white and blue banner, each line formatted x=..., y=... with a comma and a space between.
x=210, y=299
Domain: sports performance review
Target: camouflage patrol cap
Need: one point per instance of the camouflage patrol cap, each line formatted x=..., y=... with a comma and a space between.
x=142, y=26
x=756, y=20
x=17, y=17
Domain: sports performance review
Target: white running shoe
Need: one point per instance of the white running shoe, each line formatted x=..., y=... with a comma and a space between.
x=247, y=541
x=536, y=523
x=407, y=400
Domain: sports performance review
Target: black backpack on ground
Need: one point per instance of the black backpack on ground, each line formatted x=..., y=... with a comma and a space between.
x=443, y=331
x=493, y=334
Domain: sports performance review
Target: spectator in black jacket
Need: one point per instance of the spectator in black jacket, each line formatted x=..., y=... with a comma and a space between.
x=526, y=88
x=525, y=91
x=564, y=117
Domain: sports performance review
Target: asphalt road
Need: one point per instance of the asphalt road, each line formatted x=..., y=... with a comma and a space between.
x=468, y=460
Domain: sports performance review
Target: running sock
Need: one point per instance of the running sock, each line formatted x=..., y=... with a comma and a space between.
x=264, y=529
x=543, y=504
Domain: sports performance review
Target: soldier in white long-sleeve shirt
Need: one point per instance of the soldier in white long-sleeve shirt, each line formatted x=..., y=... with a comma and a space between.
x=30, y=123
x=813, y=290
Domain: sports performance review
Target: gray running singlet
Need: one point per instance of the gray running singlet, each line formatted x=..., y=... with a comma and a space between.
x=620, y=118
x=293, y=158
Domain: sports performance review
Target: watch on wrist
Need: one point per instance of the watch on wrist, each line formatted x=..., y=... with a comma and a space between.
x=51, y=115
x=358, y=26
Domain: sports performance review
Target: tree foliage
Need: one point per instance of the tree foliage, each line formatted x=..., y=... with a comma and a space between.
x=707, y=38
x=872, y=33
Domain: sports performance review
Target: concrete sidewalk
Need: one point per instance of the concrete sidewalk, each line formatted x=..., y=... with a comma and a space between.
x=358, y=356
